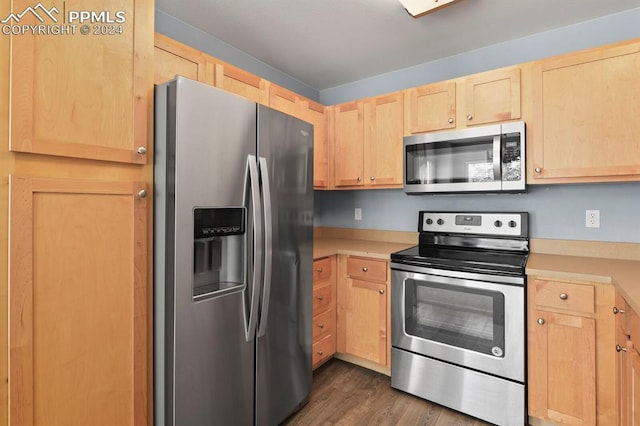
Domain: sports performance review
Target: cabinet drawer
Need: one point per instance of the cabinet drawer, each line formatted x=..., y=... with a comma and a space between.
x=564, y=295
x=322, y=297
x=324, y=323
x=323, y=349
x=321, y=269
x=367, y=269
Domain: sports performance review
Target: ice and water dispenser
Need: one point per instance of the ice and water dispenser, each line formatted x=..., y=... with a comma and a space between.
x=218, y=250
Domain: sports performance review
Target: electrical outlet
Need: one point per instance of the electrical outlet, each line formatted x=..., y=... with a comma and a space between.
x=357, y=214
x=593, y=219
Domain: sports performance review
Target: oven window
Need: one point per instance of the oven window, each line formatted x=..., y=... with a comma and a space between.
x=463, y=317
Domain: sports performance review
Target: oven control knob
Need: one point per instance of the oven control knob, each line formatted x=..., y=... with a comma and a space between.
x=512, y=224
x=497, y=223
x=429, y=221
x=440, y=222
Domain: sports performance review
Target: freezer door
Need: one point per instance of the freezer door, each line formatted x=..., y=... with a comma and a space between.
x=283, y=371
x=205, y=371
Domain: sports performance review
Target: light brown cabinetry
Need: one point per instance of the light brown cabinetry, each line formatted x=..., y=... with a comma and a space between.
x=363, y=309
x=367, y=142
x=488, y=97
x=585, y=111
x=83, y=96
x=238, y=81
x=171, y=58
x=324, y=310
x=571, y=357
x=628, y=347
x=77, y=305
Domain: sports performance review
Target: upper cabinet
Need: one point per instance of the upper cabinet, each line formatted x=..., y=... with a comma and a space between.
x=367, y=142
x=243, y=83
x=171, y=58
x=585, y=123
x=84, y=96
x=488, y=97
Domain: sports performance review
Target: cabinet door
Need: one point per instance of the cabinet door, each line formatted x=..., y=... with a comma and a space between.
x=492, y=97
x=314, y=113
x=383, y=140
x=633, y=388
x=77, y=304
x=171, y=58
x=282, y=100
x=586, y=110
x=348, y=140
x=562, y=368
x=429, y=108
x=242, y=83
x=366, y=328
x=83, y=96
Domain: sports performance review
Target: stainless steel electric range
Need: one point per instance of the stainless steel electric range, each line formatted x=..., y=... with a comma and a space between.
x=458, y=314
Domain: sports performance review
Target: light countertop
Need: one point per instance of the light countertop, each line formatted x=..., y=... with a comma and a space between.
x=375, y=249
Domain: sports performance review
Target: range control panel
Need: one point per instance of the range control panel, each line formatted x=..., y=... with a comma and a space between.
x=496, y=224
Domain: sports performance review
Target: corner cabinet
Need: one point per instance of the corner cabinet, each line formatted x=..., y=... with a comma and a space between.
x=487, y=97
x=83, y=96
x=363, y=310
x=628, y=347
x=367, y=142
x=585, y=116
x=571, y=355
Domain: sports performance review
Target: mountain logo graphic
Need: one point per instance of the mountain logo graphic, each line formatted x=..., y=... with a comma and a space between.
x=38, y=11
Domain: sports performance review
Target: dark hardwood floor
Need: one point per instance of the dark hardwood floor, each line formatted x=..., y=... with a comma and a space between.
x=346, y=394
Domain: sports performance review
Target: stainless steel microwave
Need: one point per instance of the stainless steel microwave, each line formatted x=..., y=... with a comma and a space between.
x=478, y=159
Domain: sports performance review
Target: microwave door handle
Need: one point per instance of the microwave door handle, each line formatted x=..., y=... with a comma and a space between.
x=497, y=159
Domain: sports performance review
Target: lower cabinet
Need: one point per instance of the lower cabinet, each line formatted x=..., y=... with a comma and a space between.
x=363, y=309
x=571, y=355
x=324, y=310
x=628, y=347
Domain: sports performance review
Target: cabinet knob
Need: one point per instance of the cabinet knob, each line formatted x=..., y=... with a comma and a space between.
x=319, y=270
x=450, y=120
x=381, y=291
x=564, y=296
x=321, y=298
x=321, y=325
x=469, y=117
x=537, y=170
x=365, y=269
x=320, y=353
x=541, y=321
x=620, y=348
x=372, y=178
x=142, y=193
x=618, y=311
x=142, y=150
x=358, y=179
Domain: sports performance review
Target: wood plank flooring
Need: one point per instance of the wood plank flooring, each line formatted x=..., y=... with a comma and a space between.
x=346, y=394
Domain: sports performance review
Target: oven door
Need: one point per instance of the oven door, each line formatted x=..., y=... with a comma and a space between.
x=460, y=319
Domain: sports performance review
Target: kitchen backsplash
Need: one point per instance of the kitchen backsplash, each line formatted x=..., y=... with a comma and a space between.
x=555, y=211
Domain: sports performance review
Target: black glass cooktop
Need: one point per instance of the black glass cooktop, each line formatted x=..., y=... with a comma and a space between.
x=460, y=259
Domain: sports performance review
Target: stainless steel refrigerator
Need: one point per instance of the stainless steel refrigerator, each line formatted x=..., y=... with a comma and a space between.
x=233, y=219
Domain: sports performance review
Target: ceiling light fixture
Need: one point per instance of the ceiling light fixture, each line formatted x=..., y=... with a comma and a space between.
x=418, y=8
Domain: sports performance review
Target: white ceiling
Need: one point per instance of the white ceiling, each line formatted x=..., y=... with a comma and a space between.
x=327, y=43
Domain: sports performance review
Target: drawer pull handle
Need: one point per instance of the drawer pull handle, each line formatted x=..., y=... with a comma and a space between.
x=618, y=311
x=620, y=348
x=321, y=298
x=319, y=270
x=321, y=325
x=320, y=353
x=564, y=296
x=541, y=321
x=365, y=269
x=381, y=291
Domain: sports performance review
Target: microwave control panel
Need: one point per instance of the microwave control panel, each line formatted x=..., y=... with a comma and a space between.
x=511, y=158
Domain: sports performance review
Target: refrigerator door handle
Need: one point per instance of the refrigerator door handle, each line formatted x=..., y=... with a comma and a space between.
x=252, y=182
x=268, y=246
